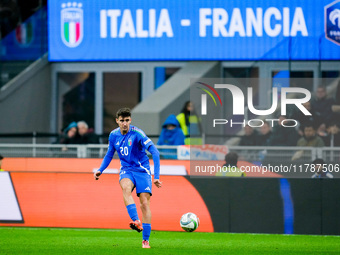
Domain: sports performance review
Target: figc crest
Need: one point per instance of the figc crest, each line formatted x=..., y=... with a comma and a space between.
x=72, y=24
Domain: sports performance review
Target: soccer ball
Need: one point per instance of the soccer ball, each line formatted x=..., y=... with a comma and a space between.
x=189, y=222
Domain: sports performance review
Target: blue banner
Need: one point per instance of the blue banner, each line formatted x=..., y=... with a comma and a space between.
x=108, y=30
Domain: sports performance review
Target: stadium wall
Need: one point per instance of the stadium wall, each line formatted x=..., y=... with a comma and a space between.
x=171, y=96
x=51, y=192
x=25, y=101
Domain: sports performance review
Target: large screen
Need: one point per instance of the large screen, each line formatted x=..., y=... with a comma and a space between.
x=130, y=30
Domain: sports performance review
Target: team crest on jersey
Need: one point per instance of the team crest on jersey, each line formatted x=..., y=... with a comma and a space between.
x=332, y=22
x=72, y=24
x=130, y=142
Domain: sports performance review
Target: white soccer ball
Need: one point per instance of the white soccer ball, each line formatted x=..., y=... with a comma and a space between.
x=189, y=222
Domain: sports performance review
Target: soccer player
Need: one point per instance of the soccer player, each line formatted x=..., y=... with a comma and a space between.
x=130, y=143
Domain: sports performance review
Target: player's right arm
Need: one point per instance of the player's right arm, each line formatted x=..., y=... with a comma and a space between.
x=107, y=159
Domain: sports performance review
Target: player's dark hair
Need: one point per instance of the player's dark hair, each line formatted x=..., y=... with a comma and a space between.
x=231, y=159
x=124, y=112
x=1, y=157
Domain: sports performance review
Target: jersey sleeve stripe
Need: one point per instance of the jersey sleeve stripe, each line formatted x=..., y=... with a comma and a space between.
x=138, y=131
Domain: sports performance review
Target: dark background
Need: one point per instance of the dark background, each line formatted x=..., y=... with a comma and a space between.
x=255, y=205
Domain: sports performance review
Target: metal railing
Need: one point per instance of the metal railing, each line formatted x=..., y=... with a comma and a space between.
x=67, y=151
x=247, y=153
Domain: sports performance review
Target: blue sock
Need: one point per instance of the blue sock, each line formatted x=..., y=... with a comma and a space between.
x=132, y=211
x=146, y=231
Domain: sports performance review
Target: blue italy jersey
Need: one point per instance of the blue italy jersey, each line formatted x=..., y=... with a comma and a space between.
x=131, y=149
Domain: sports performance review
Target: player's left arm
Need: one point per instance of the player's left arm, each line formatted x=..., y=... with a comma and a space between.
x=147, y=144
x=156, y=160
x=107, y=159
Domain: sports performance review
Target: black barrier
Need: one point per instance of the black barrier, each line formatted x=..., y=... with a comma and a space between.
x=263, y=205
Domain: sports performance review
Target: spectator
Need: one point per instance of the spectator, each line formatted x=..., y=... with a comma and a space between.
x=230, y=167
x=322, y=130
x=1, y=158
x=333, y=137
x=70, y=133
x=283, y=136
x=321, y=170
x=309, y=139
x=265, y=134
x=250, y=137
x=85, y=136
x=190, y=124
x=322, y=107
x=172, y=133
x=302, y=118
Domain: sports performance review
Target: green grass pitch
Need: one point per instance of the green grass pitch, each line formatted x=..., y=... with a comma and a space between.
x=17, y=240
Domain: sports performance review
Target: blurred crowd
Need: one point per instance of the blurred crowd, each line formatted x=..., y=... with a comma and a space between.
x=78, y=133
x=176, y=130
x=320, y=129
x=317, y=130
